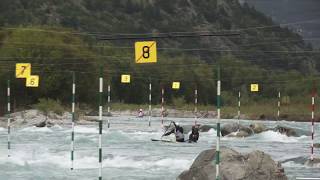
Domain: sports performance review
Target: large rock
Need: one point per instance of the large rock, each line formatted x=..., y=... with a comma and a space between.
x=206, y=128
x=253, y=166
x=258, y=128
x=314, y=163
x=234, y=127
x=41, y=124
x=317, y=145
x=202, y=128
x=239, y=134
x=286, y=130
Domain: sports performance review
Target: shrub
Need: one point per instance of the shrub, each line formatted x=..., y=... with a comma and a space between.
x=49, y=105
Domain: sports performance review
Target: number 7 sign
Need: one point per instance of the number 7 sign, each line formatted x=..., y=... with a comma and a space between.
x=23, y=70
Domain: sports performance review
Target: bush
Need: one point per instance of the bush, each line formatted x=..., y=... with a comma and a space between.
x=178, y=102
x=49, y=105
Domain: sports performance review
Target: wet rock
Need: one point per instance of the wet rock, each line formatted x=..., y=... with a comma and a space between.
x=206, y=128
x=313, y=163
x=252, y=166
x=258, y=128
x=41, y=124
x=317, y=145
x=239, y=134
x=229, y=128
x=234, y=127
x=286, y=130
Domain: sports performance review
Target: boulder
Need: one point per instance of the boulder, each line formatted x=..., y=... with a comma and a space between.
x=252, y=166
x=229, y=128
x=313, y=163
x=239, y=134
x=234, y=127
x=206, y=128
x=41, y=124
x=286, y=130
x=258, y=128
x=317, y=145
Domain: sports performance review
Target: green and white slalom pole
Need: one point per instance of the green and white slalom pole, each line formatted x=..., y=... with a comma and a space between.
x=239, y=106
x=279, y=104
x=109, y=100
x=8, y=114
x=73, y=116
x=218, y=126
x=100, y=122
x=150, y=100
x=195, y=105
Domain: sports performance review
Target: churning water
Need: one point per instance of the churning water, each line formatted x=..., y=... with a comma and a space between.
x=128, y=152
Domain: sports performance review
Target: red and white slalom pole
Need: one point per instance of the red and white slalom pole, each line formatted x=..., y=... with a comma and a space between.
x=312, y=126
x=162, y=104
x=195, y=106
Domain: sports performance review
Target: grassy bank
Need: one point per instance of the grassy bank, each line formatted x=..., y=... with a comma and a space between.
x=266, y=110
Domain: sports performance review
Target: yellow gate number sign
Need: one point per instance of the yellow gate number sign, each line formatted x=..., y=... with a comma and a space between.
x=125, y=78
x=176, y=85
x=146, y=52
x=254, y=87
x=23, y=70
x=32, y=81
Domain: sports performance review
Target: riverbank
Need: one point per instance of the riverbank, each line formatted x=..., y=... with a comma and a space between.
x=253, y=111
x=298, y=113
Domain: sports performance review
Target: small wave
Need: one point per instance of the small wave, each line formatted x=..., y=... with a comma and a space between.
x=86, y=130
x=91, y=162
x=36, y=129
x=125, y=162
x=211, y=131
x=277, y=137
x=293, y=164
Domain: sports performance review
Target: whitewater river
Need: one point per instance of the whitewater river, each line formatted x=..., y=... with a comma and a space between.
x=128, y=152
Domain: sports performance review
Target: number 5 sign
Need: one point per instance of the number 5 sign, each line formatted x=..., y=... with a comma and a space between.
x=32, y=81
x=254, y=87
x=23, y=70
x=146, y=52
x=125, y=78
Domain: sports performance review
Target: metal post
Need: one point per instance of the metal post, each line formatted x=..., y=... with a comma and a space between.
x=100, y=122
x=218, y=126
x=8, y=114
x=73, y=117
x=109, y=100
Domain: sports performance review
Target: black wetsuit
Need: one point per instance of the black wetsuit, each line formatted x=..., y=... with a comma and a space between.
x=194, y=136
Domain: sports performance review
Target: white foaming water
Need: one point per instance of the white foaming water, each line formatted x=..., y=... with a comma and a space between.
x=91, y=162
x=292, y=164
x=277, y=137
x=36, y=129
x=125, y=162
x=128, y=151
x=85, y=130
x=2, y=129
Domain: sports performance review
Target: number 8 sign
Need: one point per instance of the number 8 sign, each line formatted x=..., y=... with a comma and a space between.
x=32, y=81
x=146, y=52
